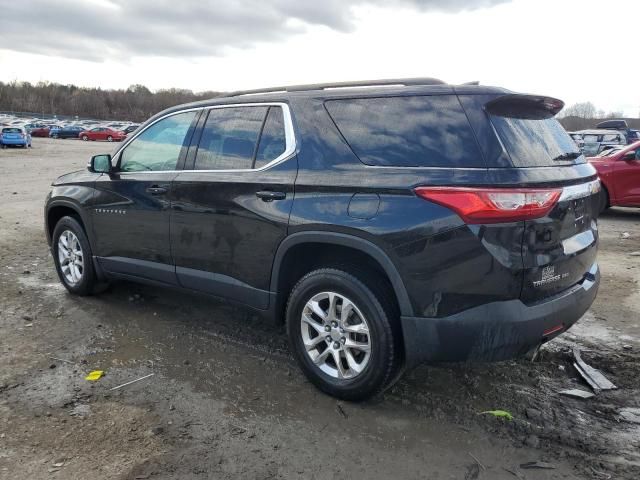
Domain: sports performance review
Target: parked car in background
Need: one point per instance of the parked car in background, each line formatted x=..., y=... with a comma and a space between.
x=15, y=137
x=596, y=140
x=621, y=126
x=619, y=171
x=130, y=128
x=103, y=133
x=633, y=136
x=577, y=138
x=41, y=131
x=65, y=132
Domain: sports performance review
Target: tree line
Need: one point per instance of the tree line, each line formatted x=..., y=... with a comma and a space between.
x=136, y=103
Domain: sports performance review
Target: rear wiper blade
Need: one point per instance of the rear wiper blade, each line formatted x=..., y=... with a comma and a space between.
x=567, y=156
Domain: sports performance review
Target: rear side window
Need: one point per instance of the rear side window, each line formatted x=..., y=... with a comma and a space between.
x=272, y=141
x=415, y=131
x=229, y=138
x=611, y=137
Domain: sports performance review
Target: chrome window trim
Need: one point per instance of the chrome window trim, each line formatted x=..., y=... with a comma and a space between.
x=290, y=138
x=582, y=190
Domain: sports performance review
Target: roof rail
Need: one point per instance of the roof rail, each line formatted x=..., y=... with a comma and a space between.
x=325, y=86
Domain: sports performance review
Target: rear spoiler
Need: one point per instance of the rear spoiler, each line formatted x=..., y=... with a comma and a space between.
x=529, y=107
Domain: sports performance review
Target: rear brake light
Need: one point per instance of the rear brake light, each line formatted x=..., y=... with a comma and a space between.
x=493, y=205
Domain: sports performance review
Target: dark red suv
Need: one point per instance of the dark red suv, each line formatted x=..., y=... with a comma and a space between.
x=619, y=171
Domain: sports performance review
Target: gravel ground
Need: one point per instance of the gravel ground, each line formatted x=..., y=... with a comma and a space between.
x=227, y=401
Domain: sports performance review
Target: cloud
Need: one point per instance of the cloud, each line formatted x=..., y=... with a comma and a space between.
x=107, y=29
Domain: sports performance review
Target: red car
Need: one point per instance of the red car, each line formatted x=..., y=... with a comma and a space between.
x=619, y=171
x=103, y=133
x=40, y=132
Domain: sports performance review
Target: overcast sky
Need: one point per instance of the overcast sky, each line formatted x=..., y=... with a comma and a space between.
x=553, y=47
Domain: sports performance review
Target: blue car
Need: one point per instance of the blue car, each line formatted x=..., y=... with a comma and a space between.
x=15, y=136
x=65, y=132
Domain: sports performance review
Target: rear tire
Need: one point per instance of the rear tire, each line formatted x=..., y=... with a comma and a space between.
x=73, y=257
x=85, y=138
x=319, y=347
x=109, y=138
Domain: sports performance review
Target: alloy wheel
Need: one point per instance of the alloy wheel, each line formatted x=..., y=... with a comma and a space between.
x=70, y=257
x=335, y=335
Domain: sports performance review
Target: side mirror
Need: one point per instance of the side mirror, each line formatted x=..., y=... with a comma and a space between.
x=100, y=164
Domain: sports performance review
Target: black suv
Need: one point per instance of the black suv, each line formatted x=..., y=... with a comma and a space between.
x=389, y=223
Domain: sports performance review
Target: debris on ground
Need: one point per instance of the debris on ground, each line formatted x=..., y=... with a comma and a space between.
x=631, y=415
x=515, y=473
x=594, y=377
x=538, y=465
x=132, y=381
x=477, y=461
x=576, y=393
x=341, y=410
x=94, y=375
x=498, y=413
x=61, y=360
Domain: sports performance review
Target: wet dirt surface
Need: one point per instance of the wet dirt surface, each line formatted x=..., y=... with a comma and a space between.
x=227, y=401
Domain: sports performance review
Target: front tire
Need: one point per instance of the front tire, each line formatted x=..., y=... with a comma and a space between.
x=109, y=138
x=73, y=257
x=85, y=138
x=344, y=334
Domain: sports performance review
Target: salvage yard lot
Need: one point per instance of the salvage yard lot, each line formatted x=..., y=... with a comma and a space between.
x=226, y=400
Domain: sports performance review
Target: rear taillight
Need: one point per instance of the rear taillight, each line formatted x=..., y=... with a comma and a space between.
x=493, y=205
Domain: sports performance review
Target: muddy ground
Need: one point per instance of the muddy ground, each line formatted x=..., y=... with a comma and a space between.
x=227, y=401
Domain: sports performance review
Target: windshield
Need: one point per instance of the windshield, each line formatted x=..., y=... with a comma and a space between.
x=536, y=143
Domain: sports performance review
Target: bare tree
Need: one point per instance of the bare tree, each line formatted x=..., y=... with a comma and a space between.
x=136, y=103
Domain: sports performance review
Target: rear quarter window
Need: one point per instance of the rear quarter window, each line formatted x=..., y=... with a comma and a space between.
x=412, y=131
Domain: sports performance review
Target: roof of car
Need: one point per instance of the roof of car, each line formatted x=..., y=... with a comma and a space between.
x=341, y=90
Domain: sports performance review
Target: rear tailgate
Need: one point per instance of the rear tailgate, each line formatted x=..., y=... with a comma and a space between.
x=559, y=249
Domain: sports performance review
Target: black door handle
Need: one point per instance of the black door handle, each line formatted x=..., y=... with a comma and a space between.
x=269, y=196
x=156, y=190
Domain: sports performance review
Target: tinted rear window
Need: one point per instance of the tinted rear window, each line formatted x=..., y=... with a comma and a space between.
x=535, y=143
x=416, y=131
x=11, y=130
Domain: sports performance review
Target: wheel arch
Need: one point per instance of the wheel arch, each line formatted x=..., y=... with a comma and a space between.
x=61, y=208
x=365, y=247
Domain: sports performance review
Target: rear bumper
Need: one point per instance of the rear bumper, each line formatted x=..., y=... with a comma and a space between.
x=499, y=330
x=11, y=141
